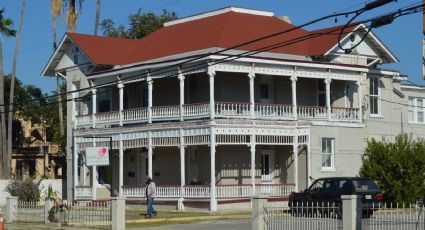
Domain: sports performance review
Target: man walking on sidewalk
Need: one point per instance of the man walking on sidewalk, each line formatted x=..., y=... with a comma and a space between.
x=150, y=196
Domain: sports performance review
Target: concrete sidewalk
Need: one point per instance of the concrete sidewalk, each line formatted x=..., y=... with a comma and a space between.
x=143, y=223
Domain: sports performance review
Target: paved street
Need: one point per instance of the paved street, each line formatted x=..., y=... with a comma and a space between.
x=207, y=225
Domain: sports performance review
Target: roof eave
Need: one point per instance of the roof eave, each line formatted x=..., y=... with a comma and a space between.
x=389, y=55
x=47, y=68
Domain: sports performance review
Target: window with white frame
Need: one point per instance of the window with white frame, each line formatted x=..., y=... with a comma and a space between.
x=328, y=153
x=416, y=110
x=374, y=95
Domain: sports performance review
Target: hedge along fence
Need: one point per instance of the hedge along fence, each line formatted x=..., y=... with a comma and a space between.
x=44, y=185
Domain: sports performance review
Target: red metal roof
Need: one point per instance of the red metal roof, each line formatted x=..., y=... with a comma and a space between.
x=223, y=31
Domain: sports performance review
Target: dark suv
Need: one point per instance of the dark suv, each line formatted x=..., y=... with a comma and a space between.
x=327, y=192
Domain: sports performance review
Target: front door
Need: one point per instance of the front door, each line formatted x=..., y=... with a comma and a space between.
x=267, y=163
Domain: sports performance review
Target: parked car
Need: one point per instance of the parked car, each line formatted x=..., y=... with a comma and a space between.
x=323, y=197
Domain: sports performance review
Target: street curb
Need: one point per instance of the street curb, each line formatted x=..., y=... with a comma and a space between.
x=186, y=219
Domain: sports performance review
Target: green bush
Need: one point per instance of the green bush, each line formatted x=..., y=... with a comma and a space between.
x=25, y=190
x=398, y=167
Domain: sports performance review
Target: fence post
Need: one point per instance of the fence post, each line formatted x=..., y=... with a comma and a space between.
x=351, y=218
x=48, y=204
x=11, y=206
x=118, y=213
x=257, y=216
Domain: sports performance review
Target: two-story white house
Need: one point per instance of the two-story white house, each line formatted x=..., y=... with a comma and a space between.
x=212, y=119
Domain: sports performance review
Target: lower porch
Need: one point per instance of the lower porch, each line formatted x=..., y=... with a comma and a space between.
x=211, y=161
x=273, y=174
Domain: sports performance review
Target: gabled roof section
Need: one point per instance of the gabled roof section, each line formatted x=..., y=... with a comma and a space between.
x=328, y=43
x=104, y=50
x=221, y=29
x=98, y=49
x=327, y=38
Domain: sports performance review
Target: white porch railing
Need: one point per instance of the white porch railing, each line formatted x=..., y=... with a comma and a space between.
x=203, y=191
x=107, y=117
x=196, y=191
x=133, y=191
x=168, y=191
x=166, y=112
x=345, y=114
x=232, y=109
x=196, y=110
x=135, y=114
x=233, y=191
x=83, y=193
x=84, y=119
x=312, y=112
x=274, y=111
x=275, y=190
x=223, y=110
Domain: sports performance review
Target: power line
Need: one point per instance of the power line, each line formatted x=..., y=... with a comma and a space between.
x=234, y=57
x=29, y=49
x=227, y=49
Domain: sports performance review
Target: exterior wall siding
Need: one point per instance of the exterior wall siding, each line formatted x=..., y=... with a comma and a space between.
x=349, y=148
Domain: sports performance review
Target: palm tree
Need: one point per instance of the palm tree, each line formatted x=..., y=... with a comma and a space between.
x=11, y=95
x=5, y=30
x=55, y=11
x=96, y=21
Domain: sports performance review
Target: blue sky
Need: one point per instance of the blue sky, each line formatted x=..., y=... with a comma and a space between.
x=403, y=37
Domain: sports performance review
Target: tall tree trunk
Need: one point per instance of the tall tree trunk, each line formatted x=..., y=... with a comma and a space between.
x=11, y=95
x=59, y=98
x=58, y=83
x=3, y=139
x=96, y=25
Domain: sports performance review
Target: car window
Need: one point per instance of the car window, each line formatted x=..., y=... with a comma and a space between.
x=365, y=185
x=330, y=186
x=345, y=187
x=324, y=186
x=317, y=186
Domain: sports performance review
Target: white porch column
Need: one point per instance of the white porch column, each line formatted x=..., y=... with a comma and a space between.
x=213, y=200
x=121, y=100
x=74, y=143
x=180, y=205
x=308, y=160
x=294, y=94
x=150, y=151
x=75, y=170
x=120, y=166
x=211, y=74
x=295, y=152
x=360, y=96
x=94, y=107
x=328, y=97
x=93, y=175
x=181, y=79
x=252, y=148
x=150, y=88
x=251, y=76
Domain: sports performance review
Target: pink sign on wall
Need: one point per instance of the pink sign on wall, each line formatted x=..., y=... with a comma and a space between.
x=97, y=156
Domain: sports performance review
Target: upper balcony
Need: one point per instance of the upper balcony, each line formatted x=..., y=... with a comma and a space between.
x=223, y=95
x=222, y=110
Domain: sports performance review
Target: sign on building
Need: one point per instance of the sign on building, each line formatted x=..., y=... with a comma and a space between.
x=97, y=156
